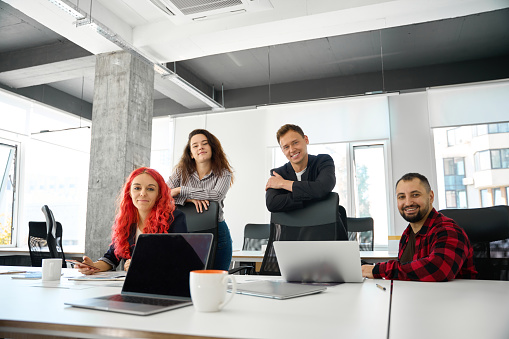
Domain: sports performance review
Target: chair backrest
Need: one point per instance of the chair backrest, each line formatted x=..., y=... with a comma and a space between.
x=54, y=237
x=488, y=231
x=362, y=230
x=39, y=246
x=255, y=235
x=37, y=243
x=205, y=222
x=318, y=221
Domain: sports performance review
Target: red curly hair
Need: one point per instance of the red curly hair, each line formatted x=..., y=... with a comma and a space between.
x=158, y=221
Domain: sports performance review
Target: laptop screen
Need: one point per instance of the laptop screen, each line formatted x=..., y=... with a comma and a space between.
x=161, y=263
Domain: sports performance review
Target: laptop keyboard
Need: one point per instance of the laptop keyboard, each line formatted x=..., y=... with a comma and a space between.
x=143, y=300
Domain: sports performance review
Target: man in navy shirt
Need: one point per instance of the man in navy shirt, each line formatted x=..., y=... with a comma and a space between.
x=304, y=178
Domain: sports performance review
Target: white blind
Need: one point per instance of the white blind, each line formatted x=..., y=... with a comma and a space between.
x=338, y=120
x=467, y=105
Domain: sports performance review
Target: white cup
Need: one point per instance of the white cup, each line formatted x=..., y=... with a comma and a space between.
x=51, y=269
x=208, y=289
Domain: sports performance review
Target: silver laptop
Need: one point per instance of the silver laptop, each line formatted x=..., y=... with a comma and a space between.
x=158, y=276
x=277, y=289
x=319, y=261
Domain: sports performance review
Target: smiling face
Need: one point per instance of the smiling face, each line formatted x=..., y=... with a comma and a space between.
x=414, y=201
x=200, y=148
x=144, y=192
x=294, y=147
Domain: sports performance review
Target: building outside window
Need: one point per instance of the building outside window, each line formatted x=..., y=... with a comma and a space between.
x=472, y=165
x=455, y=191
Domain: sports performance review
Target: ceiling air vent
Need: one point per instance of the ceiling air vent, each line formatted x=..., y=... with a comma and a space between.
x=204, y=6
x=203, y=9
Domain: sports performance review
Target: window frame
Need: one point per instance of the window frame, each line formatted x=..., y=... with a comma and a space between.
x=17, y=187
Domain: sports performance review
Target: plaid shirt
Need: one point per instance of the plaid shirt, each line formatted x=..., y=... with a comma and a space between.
x=442, y=252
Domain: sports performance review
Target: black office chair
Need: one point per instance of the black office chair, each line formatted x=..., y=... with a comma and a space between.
x=45, y=239
x=317, y=221
x=255, y=235
x=205, y=222
x=362, y=231
x=488, y=231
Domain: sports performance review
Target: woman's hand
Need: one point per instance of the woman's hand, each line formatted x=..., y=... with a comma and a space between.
x=88, y=266
x=86, y=269
x=127, y=264
x=174, y=192
x=200, y=204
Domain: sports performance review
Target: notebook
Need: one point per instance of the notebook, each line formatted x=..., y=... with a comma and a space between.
x=319, y=261
x=158, y=276
x=277, y=289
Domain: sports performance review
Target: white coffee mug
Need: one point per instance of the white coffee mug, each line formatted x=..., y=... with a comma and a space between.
x=51, y=269
x=208, y=289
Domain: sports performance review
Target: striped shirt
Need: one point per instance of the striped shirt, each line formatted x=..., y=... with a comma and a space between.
x=211, y=187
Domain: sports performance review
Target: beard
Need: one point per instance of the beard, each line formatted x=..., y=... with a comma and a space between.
x=417, y=217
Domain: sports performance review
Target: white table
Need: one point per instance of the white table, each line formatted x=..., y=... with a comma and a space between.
x=358, y=310
x=456, y=309
x=370, y=256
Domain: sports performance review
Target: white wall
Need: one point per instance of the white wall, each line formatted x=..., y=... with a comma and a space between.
x=242, y=134
x=248, y=135
x=402, y=119
x=411, y=145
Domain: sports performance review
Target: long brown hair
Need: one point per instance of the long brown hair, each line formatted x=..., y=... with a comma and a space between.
x=187, y=165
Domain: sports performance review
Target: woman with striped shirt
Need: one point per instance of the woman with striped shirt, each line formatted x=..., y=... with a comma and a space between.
x=204, y=174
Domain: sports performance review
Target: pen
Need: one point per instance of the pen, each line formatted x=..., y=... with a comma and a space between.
x=380, y=287
x=13, y=272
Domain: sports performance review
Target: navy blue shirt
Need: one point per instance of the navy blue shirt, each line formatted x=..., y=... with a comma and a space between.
x=178, y=226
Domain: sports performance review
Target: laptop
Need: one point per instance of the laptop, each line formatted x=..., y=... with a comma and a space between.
x=277, y=289
x=158, y=276
x=319, y=261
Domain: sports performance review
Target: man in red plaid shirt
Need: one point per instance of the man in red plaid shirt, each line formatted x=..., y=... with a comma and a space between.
x=432, y=247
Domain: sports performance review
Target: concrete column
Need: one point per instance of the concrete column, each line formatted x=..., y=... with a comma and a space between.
x=121, y=139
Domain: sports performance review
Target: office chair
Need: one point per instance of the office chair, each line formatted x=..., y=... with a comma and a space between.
x=488, y=231
x=205, y=222
x=317, y=221
x=362, y=231
x=255, y=235
x=45, y=239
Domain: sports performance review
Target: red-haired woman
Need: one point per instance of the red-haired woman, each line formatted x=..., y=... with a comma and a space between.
x=204, y=174
x=145, y=206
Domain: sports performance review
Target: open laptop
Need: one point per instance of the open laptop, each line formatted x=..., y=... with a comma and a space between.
x=158, y=276
x=319, y=261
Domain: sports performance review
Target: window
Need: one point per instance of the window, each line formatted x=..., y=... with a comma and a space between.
x=162, y=146
x=370, y=189
x=368, y=197
x=486, y=200
x=8, y=184
x=497, y=197
x=454, y=173
x=53, y=169
x=470, y=174
x=492, y=159
x=491, y=129
x=458, y=136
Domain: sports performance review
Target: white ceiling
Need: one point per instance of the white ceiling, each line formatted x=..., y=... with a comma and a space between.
x=210, y=45
x=146, y=27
